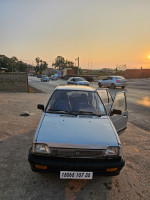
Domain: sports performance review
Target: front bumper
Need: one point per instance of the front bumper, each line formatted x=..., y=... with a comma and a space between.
x=75, y=164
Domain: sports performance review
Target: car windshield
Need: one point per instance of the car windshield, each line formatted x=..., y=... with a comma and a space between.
x=76, y=102
x=79, y=79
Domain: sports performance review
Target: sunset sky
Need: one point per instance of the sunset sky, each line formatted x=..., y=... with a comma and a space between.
x=102, y=33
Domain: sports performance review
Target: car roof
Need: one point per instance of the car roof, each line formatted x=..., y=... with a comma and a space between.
x=116, y=76
x=75, y=87
x=76, y=77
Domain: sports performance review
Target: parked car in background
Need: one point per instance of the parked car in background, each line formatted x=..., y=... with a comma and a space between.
x=76, y=136
x=44, y=78
x=39, y=75
x=113, y=82
x=54, y=78
x=58, y=75
x=77, y=81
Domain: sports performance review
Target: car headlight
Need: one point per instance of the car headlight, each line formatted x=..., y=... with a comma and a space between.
x=42, y=148
x=112, y=151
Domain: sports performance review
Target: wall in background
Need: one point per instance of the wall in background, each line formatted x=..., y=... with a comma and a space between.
x=14, y=82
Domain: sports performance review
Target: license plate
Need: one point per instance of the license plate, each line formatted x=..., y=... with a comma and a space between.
x=124, y=84
x=75, y=175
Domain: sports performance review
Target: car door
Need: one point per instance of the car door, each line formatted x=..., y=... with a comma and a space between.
x=119, y=113
x=106, y=97
x=105, y=81
x=110, y=80
x=72, y=81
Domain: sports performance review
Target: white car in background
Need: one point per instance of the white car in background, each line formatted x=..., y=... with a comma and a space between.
x=113, y=82
x=77, y=81
x=44, y=78
x=77, y=134
x=54, y=78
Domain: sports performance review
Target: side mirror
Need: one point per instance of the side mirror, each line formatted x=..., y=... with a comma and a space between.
x=40, y=106
x=115, y=111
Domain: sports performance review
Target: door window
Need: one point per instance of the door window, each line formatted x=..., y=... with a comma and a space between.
x=119, y=119
x=109, y=97
x=105, y=79
x=120, y=102
x=103, y=95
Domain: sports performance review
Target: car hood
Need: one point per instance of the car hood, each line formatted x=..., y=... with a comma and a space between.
x=76, y=132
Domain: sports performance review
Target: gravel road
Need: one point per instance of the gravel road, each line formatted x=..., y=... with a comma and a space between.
x=19, y=182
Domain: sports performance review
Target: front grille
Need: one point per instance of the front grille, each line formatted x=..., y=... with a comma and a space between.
x=78, y=153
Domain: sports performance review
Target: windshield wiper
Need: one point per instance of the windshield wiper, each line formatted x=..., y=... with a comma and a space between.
x=73, y=112
x=86, y=113
x=61, y=112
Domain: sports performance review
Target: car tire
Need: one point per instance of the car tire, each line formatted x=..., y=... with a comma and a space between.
x=113, y=86
x=123, y=87
x=99, y=84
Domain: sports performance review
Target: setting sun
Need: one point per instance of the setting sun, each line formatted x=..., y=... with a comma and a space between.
x=149, y=56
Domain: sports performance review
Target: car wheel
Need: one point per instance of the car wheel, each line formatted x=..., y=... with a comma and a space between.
x=99, y=84
x=123, y=87
x=113, y=86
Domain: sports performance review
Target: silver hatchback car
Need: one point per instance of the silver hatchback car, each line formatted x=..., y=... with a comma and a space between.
x=77, y=134
x=113, y=82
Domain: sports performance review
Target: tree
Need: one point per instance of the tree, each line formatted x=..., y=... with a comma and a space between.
x=40, y=65
x=4, y=61
x=43, y=65
x=22, y=67
x=61, y=63
x=12, y=64
x=69, y=64
x=9, y=63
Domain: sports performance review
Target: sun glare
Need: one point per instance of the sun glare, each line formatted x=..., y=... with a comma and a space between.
x=148, y=56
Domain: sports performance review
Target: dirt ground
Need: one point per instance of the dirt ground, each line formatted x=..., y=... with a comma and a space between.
x=132, y=184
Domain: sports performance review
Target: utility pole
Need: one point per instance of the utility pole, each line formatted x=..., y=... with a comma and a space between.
x=78, y=63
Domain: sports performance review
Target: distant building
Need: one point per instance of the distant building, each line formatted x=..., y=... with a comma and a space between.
x=31, y=70
x=137, y=73
x=2, y=69
x=49, y=71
